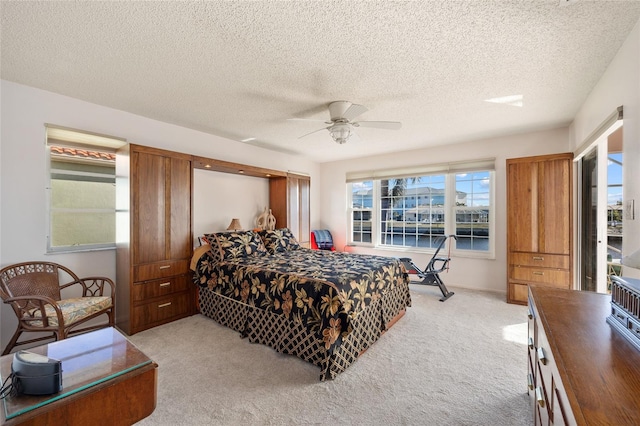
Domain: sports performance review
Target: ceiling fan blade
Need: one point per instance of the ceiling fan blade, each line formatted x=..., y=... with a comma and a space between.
x=324, y=128
x=354, y=111
x=391, y=125
x=315, y=120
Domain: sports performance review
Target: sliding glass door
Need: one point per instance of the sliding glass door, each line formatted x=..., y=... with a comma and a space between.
x=589, y=221
x=600, y=212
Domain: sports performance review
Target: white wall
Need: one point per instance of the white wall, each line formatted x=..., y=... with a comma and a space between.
x=212, y=211
x=620, y=85
x=25, y=110
x=464, y=272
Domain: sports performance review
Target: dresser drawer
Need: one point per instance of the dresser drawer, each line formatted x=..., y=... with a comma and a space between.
x=149, y=289
x=540, y=260
x=557, y=278
x=161, y=309
x=532, y=338
x=634, y=326
x=152, y=271
x=545, y=363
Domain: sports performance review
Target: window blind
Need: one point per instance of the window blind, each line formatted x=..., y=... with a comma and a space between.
x=404, y=172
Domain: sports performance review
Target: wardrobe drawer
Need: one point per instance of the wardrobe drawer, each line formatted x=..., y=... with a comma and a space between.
x=540, y=260
x=162, y=309
x=152, y=271
x=557, y=278
x=148, y=289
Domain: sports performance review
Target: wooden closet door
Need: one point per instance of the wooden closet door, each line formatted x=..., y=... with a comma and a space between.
x=148, y=207
x=522, y=210
x=555, y=205
x=179, y=246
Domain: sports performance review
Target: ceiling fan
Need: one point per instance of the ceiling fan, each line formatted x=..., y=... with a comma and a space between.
x=341, y=125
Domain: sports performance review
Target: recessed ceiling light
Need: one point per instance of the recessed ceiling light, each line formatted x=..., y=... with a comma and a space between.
x=513, y=100
x=247, y=139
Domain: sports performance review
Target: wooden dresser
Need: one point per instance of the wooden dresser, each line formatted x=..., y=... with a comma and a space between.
x=539, y=234
x=154, y=238
x=581, y=371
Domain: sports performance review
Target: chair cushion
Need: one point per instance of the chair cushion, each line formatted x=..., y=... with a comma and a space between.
x=323, y=238
x=73, y=310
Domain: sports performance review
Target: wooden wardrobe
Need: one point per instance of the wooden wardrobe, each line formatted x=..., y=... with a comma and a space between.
x=155, y=240
x=539, y=218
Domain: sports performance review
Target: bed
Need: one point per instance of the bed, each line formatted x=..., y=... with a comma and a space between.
x=321, y=306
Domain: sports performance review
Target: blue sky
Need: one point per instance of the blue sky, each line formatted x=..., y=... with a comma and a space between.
x=614, y=176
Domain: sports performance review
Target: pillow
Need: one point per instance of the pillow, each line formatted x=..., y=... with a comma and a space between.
x=235, y=244
x=279, y=240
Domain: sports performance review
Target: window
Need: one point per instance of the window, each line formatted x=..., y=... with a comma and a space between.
x=411, y=211
x=361, y=208
x=472, y=207
x=81, y=190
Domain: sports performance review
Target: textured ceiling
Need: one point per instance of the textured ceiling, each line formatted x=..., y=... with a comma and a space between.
x=239, y=69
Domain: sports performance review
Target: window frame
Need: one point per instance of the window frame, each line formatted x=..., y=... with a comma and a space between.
x=449, y=208
x=71, y=138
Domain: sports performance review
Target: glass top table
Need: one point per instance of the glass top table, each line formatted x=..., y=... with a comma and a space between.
x=87, y=360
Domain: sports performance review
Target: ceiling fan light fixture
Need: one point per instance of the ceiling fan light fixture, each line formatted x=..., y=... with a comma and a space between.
x=340, y=132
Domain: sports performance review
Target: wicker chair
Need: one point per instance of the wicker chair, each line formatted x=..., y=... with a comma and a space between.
x=33, y=289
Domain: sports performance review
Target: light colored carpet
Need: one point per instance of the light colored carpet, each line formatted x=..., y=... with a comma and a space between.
x=461, y=362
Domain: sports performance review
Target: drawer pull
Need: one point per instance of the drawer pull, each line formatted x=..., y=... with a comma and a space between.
x=165, y=267
x=537, y=273
x=165, y=284
x=540, y=397
x=530, y=343
x=541, y=356
x=538, y=258
x=164, y=305
x=530, y=381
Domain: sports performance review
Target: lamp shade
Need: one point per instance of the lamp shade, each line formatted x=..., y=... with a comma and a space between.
x=340, y=132
x=234, y=225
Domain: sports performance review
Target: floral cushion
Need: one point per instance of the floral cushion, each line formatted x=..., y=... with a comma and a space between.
x=73, y=310
x=235, y=244
x=279, y=240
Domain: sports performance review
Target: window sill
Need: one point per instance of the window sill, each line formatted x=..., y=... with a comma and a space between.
x=79, y=250
x=454, y=253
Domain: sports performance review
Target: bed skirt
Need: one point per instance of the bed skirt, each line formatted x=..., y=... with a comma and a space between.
x=290, y=337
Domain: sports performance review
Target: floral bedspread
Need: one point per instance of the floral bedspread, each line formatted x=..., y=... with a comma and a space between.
x=321, y=289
